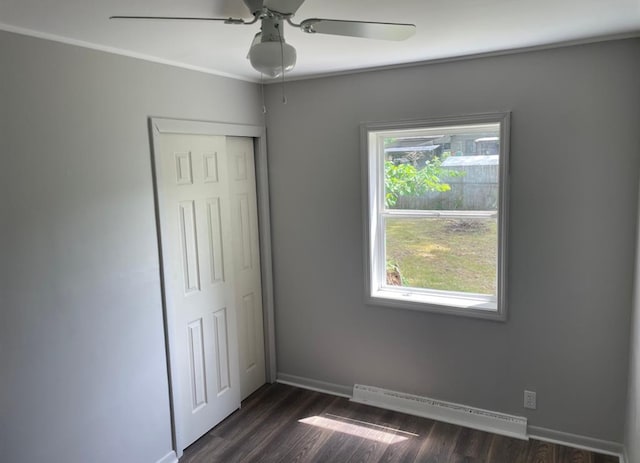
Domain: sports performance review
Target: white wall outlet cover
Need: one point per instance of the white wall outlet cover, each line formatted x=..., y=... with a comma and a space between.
x=530, y=400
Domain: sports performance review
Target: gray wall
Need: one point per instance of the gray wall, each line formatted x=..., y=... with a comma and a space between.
x=632, y=431
x=81, y=335
x=574, y=172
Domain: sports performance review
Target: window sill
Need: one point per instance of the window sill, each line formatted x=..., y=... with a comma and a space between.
x=468, y=306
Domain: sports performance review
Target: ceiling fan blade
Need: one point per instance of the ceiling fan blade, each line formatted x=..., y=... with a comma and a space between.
x=183, y=18
x=283, y=6
x=367, y=30
x=230, y=8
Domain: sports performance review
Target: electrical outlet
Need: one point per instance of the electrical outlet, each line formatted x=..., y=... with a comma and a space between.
x=530, y=400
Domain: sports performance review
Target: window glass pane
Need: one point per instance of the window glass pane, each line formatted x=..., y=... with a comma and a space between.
x=449, y=254
x=444, y=168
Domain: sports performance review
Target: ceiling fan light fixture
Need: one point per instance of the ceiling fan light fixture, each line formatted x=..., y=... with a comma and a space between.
x=270, y=58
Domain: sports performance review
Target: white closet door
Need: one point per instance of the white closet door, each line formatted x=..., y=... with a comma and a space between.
x=246, y=258
x=197, y=230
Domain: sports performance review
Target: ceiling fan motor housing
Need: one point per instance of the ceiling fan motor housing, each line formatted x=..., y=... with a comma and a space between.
x=272, y=30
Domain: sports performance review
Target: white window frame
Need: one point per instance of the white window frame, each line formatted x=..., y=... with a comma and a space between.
x=377, y=292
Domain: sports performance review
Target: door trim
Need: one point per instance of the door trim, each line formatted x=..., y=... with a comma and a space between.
x=158, y=126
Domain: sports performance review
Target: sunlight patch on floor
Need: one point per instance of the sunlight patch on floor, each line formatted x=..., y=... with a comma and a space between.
x=365, y=430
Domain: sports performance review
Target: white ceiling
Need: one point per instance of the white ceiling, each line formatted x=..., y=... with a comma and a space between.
x=445, y=29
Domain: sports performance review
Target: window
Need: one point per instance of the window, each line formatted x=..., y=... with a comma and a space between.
x=436, y=214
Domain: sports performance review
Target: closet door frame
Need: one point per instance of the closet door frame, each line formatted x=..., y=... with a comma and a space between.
x=158, y=126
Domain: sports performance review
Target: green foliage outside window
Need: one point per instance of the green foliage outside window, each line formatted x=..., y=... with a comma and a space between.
x=408, y=180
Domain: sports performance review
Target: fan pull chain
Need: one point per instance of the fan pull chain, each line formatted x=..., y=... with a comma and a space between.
x=264, y=106
x=284, y=95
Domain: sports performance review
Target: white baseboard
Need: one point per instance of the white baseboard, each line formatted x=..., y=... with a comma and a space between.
x=169, y=458
x=532, y=432
x=314, y=385
x=581, y=442
x=462, y=415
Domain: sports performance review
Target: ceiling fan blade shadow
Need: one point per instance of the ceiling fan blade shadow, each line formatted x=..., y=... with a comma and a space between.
x=364, y=29
x=283, y=6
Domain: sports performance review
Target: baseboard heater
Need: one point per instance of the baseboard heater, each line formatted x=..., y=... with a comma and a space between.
x=463, y=415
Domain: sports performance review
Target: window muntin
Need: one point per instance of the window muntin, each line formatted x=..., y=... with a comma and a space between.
x=436, y=227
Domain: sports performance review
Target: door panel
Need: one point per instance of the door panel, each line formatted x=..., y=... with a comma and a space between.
x=222, y=350
x=196, y=365
x=190, y=269
x=215, y=240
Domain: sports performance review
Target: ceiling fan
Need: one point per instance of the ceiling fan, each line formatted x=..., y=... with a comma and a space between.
x=270, y=54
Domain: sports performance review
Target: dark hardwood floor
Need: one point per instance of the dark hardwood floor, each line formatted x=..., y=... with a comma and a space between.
x=268, y=429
